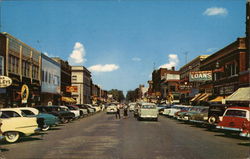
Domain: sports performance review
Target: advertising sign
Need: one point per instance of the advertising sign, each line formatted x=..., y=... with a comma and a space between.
x=71, y=89
x=200, y=76
x=25, y=93
x=5, y=81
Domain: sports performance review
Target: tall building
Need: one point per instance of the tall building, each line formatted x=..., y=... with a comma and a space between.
x=22, y=64
x=81, y=78
x=51, y=81
x=248, y=32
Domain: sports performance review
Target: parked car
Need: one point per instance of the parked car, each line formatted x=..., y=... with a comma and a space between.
x=148, y=111
x=1, y=133
x=49, y=119
x=83, y=109
x=215, y=111
x=14, y=125
x=97, y=107
x=201, y=116
x=90, y=108
x=174, y=109
x=178, y=115
x=74, y=110
x=111, y=109
x=236, y=120
x=193, y=110
x=161, y=108
x=64, y=116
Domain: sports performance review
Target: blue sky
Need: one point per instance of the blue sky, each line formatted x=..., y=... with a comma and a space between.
x=121, y=41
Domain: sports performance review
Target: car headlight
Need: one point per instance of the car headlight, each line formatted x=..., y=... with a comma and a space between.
x=205, y=118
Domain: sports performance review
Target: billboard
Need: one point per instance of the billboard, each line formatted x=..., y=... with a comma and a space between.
x=200, y=76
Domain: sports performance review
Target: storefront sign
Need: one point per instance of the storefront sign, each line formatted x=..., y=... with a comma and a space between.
x=200, y=76
x=71, y=89
x=25, y=93
x=5, y=81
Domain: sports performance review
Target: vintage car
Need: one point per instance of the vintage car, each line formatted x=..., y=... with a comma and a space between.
x=148, y=111
x=192, y=111
x=90, y=108
x=161, y=107
x=1, y=133
x=131, y=106
x=15, y=125
x=200, y=117
x=64, y=116
x=175, y=109
x=236, y=120
x=215, y=111
x=97, y=107
x=178, y=115
x=84, y=111
x=71, y=109
x=111, y=109
x=49, y=119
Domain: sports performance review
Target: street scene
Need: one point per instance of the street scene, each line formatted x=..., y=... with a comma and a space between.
x=125, y=79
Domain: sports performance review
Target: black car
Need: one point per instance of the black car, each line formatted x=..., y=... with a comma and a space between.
x=215, y=111
x=64, y=116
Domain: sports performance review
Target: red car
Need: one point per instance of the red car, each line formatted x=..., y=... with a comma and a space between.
x=236, y=119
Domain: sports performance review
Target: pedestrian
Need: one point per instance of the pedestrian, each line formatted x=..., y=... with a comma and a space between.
x=125, y=112
x=117, y=114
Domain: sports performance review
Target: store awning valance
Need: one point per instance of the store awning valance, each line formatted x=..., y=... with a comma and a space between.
x=217, y=99
x=68, y=100
x=195, y=97
x=204, y=97
x=241, y=95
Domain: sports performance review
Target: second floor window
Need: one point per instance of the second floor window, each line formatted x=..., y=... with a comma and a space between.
x=1, y=65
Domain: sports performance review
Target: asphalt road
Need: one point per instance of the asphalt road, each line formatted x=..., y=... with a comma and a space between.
x=101, y=136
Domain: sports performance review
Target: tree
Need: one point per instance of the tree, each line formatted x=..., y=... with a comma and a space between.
x=117, y=94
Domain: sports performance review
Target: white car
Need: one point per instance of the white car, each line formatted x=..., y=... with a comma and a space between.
x=74, y=110
x=175, y=109
x=15, y=125
x=111, y=109
x=131, y=106
x=97, y=108
x=148, y=111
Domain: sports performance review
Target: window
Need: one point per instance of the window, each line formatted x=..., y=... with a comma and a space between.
x=27, y=112
x=13, y=66
x=74, y=78
x=25, y=68
x=238, y=113
x=231, y=69
x=1, y=65
x=9, y=114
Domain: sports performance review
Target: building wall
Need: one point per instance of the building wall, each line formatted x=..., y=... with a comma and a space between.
x=22, y=64
x=51, y=81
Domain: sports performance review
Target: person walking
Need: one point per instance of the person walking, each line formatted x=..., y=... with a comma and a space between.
x=117, y=114
x=125, y=112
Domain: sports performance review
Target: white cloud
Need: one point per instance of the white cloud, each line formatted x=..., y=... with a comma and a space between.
x=173, y=61
x=104, y=68
x=136, y=59
x=77, y=57
x=215, y=11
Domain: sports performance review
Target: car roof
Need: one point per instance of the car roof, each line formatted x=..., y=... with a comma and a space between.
x=244, y=108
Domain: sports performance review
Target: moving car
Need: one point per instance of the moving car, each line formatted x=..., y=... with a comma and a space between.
x=111, y=109
x=148, y=111
x=14, y=125
x=49, y=119
x=236, y=120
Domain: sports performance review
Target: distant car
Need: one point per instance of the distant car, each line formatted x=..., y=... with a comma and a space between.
x=97, y=107
x=200, y=117
x=90, y=108
x=174, y=109
x=236, y=120
x=148, y=111
x=84, y=111
x=64, y=116
x=193, y=110
x=14, y=125
x=49, y=119
x=111, y=109
x=131, y=106
x=161, y=108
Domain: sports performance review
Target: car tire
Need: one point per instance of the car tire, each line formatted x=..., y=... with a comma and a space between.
x=212, y=120
x=156, y=119
x=11, y=136
x=64, y=121
x=46, y=128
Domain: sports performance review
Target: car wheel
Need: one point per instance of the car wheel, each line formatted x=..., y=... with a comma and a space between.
x=46, y=128
x=12, y=136
x=156, y=119
x=63, y=121
x=138, y=118
x=212, y=120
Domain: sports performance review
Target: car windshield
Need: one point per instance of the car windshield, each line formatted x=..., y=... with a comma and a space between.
x=148, y=107
x=238, y=113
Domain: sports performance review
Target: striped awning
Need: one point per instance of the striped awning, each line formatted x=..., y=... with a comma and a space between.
x=68, y=100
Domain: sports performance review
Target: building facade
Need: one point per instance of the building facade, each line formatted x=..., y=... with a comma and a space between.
x=22, y=64
x=187, y=88
x=81, y=77
x=51, y=81
x=227, y=65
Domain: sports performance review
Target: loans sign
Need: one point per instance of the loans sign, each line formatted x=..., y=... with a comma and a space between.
x=200, y=76
x=5, y=81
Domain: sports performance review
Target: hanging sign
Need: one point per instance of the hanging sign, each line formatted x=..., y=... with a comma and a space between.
x=25, y=93
x=5, y=81
x=71, y=89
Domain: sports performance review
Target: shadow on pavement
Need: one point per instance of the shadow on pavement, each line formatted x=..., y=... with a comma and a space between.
x=233, y=136
x=244, y=143
x=24, y=139
x=54, y=129
x=3, y=149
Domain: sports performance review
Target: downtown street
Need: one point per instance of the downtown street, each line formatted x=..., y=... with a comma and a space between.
x=102, y=136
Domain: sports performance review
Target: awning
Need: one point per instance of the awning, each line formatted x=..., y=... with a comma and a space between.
x=241, y=95
x=204, y=97
x=195, y=97
x=68, y=100
x=217, y=99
